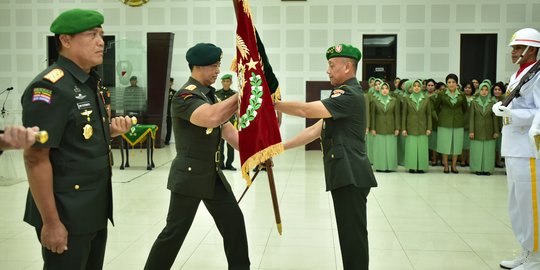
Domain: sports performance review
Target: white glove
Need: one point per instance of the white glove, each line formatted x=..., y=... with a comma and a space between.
x=532, y=133
x=500, y=110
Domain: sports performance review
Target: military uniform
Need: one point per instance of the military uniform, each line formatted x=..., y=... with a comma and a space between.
x=172, y=92
x=347, y=169
x=195, y=176
x=385, y=121
x=416, y=120
x=68, y=102
x=483, y=123
x=451, y=121
x=223, y=95
x=65, y=101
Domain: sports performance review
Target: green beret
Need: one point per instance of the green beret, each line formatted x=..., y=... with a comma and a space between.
x=74, y=21
x=226, y=76
x=343, y=50
x=203, y=54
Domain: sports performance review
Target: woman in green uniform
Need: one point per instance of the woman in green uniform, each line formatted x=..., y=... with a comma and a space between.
x=370, y=96
x=484, y=130
x=451, y=105
x=432, y=95
x=385, y=128
x=416, y=125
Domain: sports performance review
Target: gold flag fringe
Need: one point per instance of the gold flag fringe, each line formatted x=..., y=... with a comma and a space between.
x=234, y=65
x=259, y=157
x=276, y=96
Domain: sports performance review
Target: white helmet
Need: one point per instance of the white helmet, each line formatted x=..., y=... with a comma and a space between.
x=527, y=37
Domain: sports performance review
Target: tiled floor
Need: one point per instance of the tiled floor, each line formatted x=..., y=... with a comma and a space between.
x=429, y=221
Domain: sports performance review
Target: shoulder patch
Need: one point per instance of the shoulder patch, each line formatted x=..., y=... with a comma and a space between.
x=337, y=93
x=42, y=95
x=54, y=75
x=191, y=87
x=186, y=95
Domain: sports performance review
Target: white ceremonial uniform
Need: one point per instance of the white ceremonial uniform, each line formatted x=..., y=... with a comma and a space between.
x=522, y=164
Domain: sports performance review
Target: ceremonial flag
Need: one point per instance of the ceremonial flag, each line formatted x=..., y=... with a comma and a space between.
x=259, y=137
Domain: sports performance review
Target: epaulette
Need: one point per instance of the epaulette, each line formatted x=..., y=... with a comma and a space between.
x=54, y=75
x=191, y=87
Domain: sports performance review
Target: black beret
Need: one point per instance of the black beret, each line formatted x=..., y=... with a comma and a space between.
x=203, y=54
x=74, y=21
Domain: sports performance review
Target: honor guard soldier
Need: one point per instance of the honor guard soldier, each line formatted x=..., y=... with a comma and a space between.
x=70, y=196
x=347, y=169
x=522, y=163
x=199, y=122
x=223, y=94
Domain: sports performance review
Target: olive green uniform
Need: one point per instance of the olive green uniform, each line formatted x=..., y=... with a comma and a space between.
x=483, y=123
x=347, y=170
x=385, y=121
x=416, y=120
x=451, y=120
x=195, y=176
x=223, y=95
x=65, y=101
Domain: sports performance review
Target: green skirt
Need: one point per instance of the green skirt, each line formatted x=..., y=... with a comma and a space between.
x=433, y=140
x=482, y=156
x=466, y=140
x=449, y=141
x=385, y=154
x=369, y=143
x=401, y=149
x=416, y=152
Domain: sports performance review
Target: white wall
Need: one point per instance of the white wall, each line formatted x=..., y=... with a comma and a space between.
x=296, y=34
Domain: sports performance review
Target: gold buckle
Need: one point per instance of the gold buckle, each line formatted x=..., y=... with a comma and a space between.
x=217, y=156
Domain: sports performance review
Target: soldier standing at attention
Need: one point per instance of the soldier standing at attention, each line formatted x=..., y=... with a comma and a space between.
x=520, y=123
x=347, y=169
x=199, y=122
x=223, y=94
x=172, y=92
x=70, y=196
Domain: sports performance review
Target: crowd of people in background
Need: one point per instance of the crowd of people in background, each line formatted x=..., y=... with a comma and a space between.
x=416, y=123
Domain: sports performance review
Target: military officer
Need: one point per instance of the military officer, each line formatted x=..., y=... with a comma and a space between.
x=522, y=162
x=169, y=119
x=199, y=122
x=70, y=197
x=17, y=137
x=223, y=94
x=347, y=169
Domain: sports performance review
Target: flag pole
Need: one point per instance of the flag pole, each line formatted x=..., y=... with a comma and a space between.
x=272, y=184
x=252, y=180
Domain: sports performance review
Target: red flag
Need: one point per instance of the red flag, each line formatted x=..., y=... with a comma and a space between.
x=259, y=136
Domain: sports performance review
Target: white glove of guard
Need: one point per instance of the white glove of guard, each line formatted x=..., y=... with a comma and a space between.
x=532, y=133
x=500, y=110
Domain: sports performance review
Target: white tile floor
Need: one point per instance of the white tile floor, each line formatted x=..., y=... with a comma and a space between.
x=429, y=221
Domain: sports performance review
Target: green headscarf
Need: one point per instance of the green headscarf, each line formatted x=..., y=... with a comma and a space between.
x=416, y=97
x=483, y=101
x=384, y=99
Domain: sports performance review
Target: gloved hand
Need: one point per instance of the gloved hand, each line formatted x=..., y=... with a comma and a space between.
x=500, y=110
x=534, y=137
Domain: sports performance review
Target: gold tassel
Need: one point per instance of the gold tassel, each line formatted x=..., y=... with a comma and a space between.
x=260, y=157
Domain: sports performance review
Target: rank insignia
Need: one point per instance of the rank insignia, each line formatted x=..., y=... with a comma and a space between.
x=43, y=95
x=80, y=96
x=54, y=75
x=191, y=87
x=186, y=95
x=87, y=113
x=337, y=93
x=88, y=131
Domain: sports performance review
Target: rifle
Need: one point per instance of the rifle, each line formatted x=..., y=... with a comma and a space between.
x=526, y=78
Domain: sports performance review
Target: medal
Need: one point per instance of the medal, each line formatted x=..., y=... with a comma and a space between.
x=209, y=131
x=87, y=114
x=88, y=131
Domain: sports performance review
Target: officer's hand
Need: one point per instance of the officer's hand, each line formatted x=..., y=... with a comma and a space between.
x=428, y=132
x=495, y=135
x=373, y=132
x=404, y=133
x=471, y=135
x=500, y=110
x=120, y=125
x=54, y=237
x=396, y=132
x=18, y=137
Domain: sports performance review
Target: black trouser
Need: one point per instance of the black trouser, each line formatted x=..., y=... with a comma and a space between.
x=230, y=154
x=350, y=209
x=85, y=252
x=169, y=130
x=182, y=209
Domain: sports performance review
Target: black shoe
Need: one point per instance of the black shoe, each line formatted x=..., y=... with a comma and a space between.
x=420, y=171
x=487, y=173
x=412, y=171
x=222, y=167
x=379, y=170
x=478, y=173
x=454, y=170
x=230, y=168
